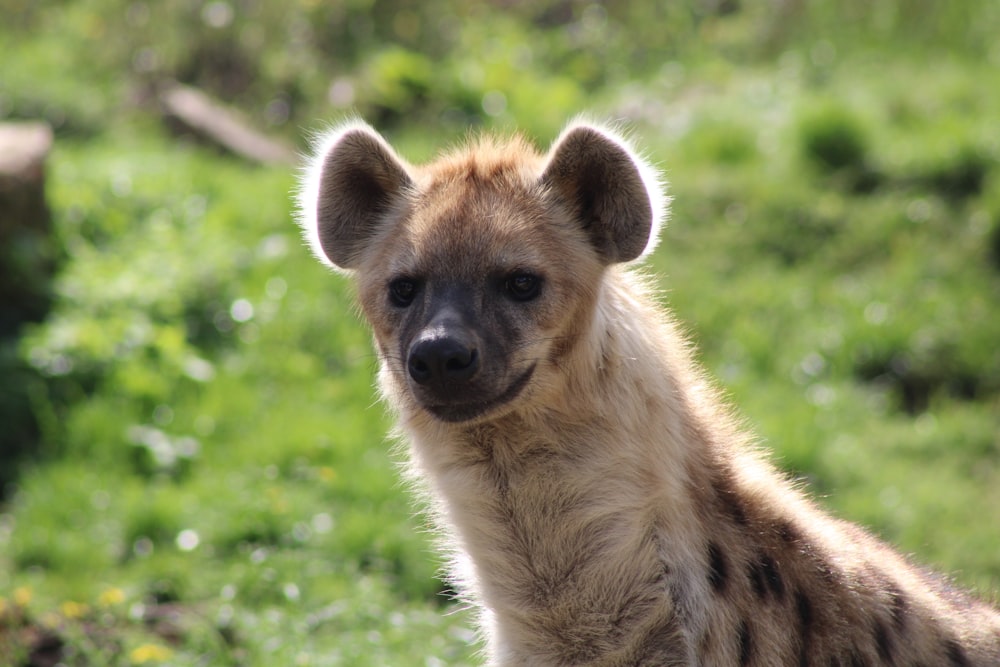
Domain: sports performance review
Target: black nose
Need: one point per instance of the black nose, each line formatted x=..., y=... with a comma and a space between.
x=444, y=359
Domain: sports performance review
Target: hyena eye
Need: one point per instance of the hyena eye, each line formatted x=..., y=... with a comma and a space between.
x=523, y=286
x=402, y=291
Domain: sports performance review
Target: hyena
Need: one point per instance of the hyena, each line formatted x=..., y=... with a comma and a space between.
x=601, y=505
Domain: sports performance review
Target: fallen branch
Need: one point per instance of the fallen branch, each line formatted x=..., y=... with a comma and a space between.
x=212, y=121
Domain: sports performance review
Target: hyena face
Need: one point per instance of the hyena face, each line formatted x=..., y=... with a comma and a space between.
x=477, y=272
x=466, y=303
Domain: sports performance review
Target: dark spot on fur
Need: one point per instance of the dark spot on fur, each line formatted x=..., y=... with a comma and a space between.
x=883, y=643
x=956, y=654
x=746, y=646
x=731, y=503
x=756, y=577
x=788, y=533
x=773, y=577
x=804, y=608
x=738, y=511
x=899, y=606
x=717, y=569
x=765, y=578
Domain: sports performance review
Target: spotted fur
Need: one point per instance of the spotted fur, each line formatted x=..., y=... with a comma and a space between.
x=600, y=504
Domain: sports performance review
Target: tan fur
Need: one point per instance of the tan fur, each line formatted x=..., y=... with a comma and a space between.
x=611, y=512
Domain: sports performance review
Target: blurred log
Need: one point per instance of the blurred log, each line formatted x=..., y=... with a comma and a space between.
x=27, y=248
x=27, y=264
x=194, y=111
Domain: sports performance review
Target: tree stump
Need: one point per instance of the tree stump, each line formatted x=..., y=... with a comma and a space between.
x=27, y=248
x=27, y=263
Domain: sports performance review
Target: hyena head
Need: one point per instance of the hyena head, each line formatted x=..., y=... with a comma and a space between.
x=478, y=272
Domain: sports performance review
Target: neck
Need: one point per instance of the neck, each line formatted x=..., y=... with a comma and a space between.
x=607, y=473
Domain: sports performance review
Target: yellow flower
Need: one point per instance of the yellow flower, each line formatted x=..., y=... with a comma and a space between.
x=71, y=609
x=327, y=474
x=111, y=597
x=150, y=653
x=22, y=596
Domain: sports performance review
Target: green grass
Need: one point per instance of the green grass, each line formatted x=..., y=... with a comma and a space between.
x=213, y=482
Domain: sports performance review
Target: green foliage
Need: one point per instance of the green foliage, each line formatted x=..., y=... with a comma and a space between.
x=833, y=139
x=447, y=62
x=213, y=483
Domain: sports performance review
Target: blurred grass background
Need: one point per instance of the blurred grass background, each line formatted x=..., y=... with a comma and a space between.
x=194, y=467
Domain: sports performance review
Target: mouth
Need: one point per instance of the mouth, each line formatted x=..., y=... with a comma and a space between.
x=460, y=411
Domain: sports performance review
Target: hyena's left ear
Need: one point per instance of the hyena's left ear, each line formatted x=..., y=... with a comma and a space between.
x=616, y=195
x=354, y=182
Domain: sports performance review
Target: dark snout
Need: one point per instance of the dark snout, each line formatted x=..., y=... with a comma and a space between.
x=442, y=360
x=455, y=372
x=444, y=354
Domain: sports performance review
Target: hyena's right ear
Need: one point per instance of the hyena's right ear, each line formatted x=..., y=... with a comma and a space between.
x=352, y=183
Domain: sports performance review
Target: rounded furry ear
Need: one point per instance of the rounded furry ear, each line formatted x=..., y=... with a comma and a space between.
x=349, y=186
x=616, y=195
